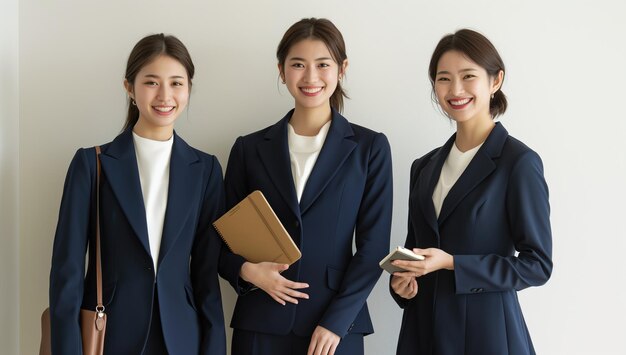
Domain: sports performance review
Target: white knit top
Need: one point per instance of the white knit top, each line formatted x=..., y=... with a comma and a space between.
x=153, y=161
x=303, y=153
x=453, y=167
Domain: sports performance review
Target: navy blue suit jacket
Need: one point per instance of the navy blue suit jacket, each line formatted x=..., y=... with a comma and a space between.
x=189, y=294
x=498, y=206
x=348, y=197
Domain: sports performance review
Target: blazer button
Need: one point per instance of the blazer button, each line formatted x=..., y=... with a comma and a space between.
x=297, y=224
x=351, y=326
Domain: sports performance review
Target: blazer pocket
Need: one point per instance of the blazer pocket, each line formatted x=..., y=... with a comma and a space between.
x=334, y=277
x=190, y=299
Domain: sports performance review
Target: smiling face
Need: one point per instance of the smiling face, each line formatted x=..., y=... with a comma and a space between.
x=311, y=74
x=463, y=88
x=161, y=93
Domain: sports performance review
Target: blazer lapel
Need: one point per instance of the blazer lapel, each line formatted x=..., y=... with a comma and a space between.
x=336, y=149
x=481, y=166
x=119, y=164
x=185, y=188
x=274, y=154
x=430, y=174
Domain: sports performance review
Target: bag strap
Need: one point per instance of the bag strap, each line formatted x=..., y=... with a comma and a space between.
x=99, y=306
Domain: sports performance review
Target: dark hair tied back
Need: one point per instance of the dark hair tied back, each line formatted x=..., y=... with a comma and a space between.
x=144, y=52
x=481, y=51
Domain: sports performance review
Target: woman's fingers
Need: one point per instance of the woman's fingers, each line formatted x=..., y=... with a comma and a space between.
x=326, y=348
x=412, y=288
x=291, y=295
x=333, y=348
x=294, y=293
x=423, y=252
x=323, y=342
x=400, y=280
x=435, y=259
x=295, y=285
x=278, y=267
x=415, y=267
x=290, y=288
x=267, y=276
x=277, y=299
x=405, y=287
x=405, y=274
x=287, y=298
x=282, y=297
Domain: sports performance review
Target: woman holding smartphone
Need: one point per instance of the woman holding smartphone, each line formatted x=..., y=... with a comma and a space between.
x=329, y=181
x=478, y=212
x=158, y=197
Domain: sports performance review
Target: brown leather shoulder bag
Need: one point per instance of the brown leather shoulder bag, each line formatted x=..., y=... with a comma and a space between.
x=92, y=323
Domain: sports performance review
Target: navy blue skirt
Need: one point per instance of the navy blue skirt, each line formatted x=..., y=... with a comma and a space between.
x=253, y=343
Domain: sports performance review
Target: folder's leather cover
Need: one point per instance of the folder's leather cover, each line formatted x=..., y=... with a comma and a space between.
x=252, y=229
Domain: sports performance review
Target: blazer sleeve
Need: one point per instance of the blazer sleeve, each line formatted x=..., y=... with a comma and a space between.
x=203, y=266
x=68, y=256
x=409, y=243
x=372, y=232
x=528, y=213
x=236, y=189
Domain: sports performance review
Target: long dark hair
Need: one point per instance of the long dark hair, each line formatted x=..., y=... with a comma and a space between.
x=325, y=31
x=144, y=52
x=482, y=52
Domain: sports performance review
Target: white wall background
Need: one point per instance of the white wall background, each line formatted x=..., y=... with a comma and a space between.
x=565, y=62
x=9, y=139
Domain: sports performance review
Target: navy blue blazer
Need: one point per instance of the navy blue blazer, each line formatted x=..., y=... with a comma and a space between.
x=499, y=206
x=348, y=197
x=187, y=282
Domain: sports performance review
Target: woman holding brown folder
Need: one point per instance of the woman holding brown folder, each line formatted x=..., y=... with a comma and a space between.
x=329, y=182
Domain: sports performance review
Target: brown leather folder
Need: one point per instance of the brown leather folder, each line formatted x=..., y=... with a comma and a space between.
x=252, y=229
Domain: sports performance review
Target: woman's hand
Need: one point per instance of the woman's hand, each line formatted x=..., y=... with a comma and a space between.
x=267, y=277
x=323, y=342
x=404, y=286
x=436, y=259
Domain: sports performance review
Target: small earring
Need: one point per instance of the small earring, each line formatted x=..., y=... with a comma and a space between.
x=134, y=102
x=492, y=95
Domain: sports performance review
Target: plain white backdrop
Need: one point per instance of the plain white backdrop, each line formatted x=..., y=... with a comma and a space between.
x=62, y=66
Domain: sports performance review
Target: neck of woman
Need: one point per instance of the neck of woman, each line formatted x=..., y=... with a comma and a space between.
x=308, y=121
x=154, y=133
x=471, y=133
